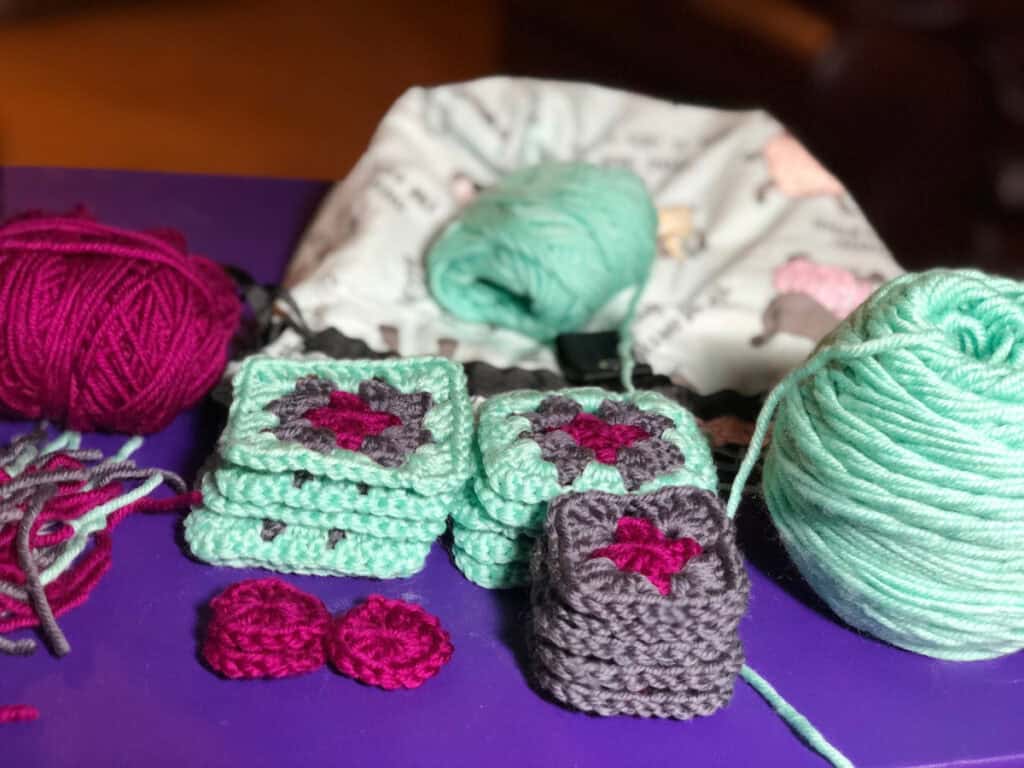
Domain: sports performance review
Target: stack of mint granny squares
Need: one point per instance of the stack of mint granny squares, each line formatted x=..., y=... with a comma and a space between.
x=336, y=467
x=535, y=446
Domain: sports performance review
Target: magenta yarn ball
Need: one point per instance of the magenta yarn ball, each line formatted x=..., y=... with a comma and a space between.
x=107, y=329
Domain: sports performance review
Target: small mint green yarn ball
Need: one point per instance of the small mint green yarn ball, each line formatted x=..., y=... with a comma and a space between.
x=544, y=249
x=895, y=474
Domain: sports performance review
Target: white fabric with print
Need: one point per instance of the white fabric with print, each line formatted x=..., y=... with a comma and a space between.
x=761, y=249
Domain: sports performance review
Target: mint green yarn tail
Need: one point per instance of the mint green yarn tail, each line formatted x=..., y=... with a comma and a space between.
x=764, y=421
x=625, y=350
x=91, y=522
x=827, y=356
x=799, y=724
x=128, y=449
x=70, y=440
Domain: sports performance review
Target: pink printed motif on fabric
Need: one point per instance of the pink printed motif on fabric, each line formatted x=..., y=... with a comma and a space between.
x=602, y=438
x=639, y=547
x=796, y=172
x=351, y=419
x=835, y=288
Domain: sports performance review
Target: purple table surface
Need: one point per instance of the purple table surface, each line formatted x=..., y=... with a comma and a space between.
x=132, y=692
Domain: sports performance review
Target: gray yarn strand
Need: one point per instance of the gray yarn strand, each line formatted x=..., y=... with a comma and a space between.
x=13, y=590
x=20, y=444
x=45, y=557
x=127, y=470
x=101, y=474
x=22, y=500
x=112, y=471
x=24, y=647
x=37, y=594
x=43, y=478
x=83, y=455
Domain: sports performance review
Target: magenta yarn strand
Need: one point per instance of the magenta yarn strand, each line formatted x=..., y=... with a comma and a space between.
x=51, y=227
x=103, y=328
x=159, y=250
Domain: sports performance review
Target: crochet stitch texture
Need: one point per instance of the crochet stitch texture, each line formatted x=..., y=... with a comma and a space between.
x=389, y=643
x=534, y=446
x=437, y=466
x=607, y=639
x=265, y=628
x=336, y=467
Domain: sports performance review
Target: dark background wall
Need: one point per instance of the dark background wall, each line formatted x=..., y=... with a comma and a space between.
x=917, y=105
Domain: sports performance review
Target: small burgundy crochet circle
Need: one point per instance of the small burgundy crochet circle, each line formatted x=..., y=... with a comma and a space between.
x=389, y=643
x=265, y=628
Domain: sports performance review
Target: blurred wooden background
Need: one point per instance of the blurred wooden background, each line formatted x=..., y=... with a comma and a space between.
x=918, y=105
x=270, y=87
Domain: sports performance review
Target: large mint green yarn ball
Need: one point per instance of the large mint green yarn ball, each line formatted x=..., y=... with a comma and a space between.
x=544, y=249
x=895, y=474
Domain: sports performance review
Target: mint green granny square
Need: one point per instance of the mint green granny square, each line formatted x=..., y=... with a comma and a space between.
x=534, y=446
x=385, y=423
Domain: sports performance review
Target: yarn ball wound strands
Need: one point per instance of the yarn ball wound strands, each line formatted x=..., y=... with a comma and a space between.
x=542, y=251
x=895, y=474
x=103, y=328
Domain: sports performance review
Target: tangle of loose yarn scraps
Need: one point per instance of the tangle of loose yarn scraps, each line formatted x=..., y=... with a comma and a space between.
x=53, y=498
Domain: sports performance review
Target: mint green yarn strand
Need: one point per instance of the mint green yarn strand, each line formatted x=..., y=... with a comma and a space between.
x=625, y=350
x=761, y=427
x=94, y=520
x=799, y=724
x=130, y=446
x=29, y=453
x=69, y=439
x=18, y=466
x=771, y=403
